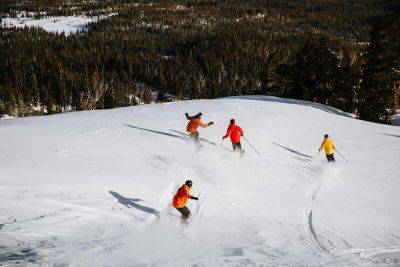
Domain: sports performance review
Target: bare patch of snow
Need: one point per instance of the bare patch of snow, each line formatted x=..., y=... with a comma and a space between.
x=67, y=24
x=259, y=16
x=180, y=7
x=5, y=117
x=167, y=56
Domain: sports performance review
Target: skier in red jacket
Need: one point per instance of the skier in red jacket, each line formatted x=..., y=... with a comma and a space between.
x=234, y=132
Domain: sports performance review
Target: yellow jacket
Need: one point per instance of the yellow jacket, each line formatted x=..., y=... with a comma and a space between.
x=328, y=146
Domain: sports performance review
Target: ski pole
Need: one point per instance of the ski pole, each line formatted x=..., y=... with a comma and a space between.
x=222, y=141
x=341, y=155
x=251, y=145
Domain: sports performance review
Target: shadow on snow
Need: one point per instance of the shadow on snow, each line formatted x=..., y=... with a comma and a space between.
x=393, y=135
x=156, y=132
x=293, y=151
x=132, y=203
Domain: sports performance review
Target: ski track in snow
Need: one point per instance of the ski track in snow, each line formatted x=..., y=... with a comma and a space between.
x=350, y=256
x=312, y=234
x=14, y=222
x=163, y=205
x=117, y=242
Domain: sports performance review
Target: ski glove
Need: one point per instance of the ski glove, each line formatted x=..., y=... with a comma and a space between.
x=195, y=198
x=210, y=123
x=186, y=114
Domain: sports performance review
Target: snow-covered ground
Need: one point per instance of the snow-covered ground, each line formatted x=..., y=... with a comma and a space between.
x=81, y=189
x=66, y=24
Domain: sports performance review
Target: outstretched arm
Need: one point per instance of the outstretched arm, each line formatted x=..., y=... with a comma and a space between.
x=188, y=117
x=322, y=145
x=228, y=133
x=190, y=196
x=203, y=124
x=240, y=131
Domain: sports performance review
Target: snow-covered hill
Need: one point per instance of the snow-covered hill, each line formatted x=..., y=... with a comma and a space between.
x=81, y=189
x=63, y=24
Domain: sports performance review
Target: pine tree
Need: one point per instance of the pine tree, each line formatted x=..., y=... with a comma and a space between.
x=22, y=110
x=381, y=71
x=314, y=72
x=147, y=96
x=346, y=84
x=160, y=97
x=3, y=108
x=34, y=88
x=49, y=102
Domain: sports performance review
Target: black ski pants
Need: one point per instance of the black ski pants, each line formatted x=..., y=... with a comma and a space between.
x=330, y=158
x=237, y=146
x=194, y=136
x=185, y=212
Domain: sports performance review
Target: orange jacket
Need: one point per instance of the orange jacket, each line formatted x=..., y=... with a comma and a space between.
x=235, y=132
x=181, y=197
x=194, y=123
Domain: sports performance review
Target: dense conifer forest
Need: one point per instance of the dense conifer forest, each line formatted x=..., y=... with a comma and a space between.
x=342, y=53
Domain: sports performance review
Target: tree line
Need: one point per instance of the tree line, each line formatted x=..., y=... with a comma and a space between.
x=344, y=54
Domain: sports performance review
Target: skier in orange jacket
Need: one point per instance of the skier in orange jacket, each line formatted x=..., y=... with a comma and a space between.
x=329, y=146
x=234, y=132
x=194, y=123
x=181, y=197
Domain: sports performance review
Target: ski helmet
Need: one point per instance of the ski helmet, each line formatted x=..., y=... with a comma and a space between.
x=199, y=114
x=189, y=183
x=326, y=136
x=232, y=121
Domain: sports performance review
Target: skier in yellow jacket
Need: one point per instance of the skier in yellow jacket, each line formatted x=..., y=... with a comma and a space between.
x=329, y=146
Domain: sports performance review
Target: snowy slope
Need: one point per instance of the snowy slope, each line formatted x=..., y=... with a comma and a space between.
x=81, y=189
x=57, y=24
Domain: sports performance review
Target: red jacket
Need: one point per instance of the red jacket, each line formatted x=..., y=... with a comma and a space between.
x=235, y=132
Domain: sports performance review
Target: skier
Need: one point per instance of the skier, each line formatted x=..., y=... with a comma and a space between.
x=194, y=123
x=329, y=146
x=181, y=198
x=234, y=132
